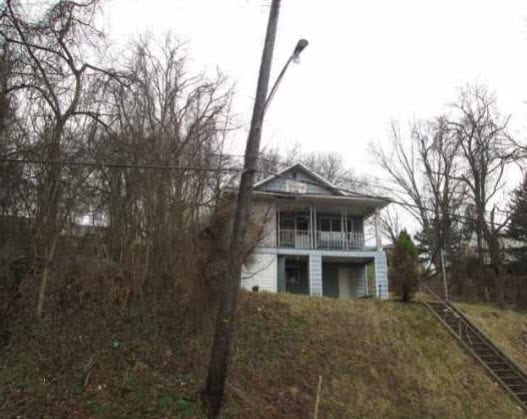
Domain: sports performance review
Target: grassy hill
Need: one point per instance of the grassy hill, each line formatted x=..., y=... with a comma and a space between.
x=376, y=360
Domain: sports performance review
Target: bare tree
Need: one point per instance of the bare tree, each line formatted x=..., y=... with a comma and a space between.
x=421, y=167
x=169, y=117
x=391, y=224
x=486, y=150
x=51, y=73
x=329, y=165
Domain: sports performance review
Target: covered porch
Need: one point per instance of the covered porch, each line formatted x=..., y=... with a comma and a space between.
x=332, y=276
x=330, y=228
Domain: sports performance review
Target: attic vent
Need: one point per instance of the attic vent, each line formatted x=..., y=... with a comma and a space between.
x=292, y=186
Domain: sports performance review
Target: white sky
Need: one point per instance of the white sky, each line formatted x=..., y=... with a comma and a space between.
x=368, y=62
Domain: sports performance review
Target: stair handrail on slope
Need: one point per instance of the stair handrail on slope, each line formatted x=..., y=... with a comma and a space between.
x=462, y=329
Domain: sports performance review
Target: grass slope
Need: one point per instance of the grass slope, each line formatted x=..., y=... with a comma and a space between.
x=506, y=328
x=376, y=360
x=135, y=363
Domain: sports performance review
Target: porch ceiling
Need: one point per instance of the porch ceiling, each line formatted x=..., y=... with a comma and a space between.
x=351, y=260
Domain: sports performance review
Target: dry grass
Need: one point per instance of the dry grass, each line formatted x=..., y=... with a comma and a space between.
x=377, y=360
x=506, y=328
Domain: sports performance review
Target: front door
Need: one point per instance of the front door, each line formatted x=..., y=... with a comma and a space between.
x=345, y=275
x=296, y=275
x=330, y=280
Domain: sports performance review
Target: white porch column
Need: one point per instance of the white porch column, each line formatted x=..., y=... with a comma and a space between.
x=278, y=239
x=315, y=275
x=366, y=275
x=347, y=236
x=311, y=229
x=378, y=241
x=315, y=227
x=342, y=228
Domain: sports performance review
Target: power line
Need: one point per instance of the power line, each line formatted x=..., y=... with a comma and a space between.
x=121, y=165
x=340, y=178
x=155, y=166
x=369, y=184
x=454, y=216
x=366, y=183
x=352, y=193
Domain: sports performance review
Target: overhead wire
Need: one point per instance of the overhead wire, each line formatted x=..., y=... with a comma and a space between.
x=353, y=181
x=455, y=216
x=352, y=193
x=120, y=165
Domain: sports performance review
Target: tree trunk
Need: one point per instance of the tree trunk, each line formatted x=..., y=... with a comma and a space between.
x=50, y=254
x=48, y=221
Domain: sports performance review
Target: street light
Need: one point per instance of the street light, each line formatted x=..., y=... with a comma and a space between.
x=300, y=46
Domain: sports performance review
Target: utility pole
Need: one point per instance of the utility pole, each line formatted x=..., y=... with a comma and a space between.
x=217, y=368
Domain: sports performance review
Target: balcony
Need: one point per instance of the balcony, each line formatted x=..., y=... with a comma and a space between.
x=335, y=240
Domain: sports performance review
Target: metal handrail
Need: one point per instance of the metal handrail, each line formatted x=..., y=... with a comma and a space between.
x=464, y=321
x=497, y=350
x=476, y=330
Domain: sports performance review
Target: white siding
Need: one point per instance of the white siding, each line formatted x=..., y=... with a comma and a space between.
x=381, y=276
x=261, y=272
x=303, y=184
x=359, y=284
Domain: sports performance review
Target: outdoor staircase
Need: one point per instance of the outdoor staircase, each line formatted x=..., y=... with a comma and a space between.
x=500, y=367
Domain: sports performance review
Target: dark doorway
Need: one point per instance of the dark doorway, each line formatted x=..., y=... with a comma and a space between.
x=330, y=280
x=296, y=275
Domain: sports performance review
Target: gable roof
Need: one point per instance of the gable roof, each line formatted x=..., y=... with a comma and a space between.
x=299, y=167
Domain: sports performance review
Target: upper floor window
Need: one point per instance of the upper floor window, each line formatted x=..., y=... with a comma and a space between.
x=294, y=221
x=334, y=223
x=330, y=224
x=354, y=224
x=287, y=223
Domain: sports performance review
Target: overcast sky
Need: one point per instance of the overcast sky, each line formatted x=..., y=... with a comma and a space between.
x=368, y=62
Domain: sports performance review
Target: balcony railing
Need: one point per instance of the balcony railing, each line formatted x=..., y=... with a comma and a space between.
x=299, y=239
x=338, y=240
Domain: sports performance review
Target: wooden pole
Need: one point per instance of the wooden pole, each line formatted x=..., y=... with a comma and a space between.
x=217, y=368
x=317, y=401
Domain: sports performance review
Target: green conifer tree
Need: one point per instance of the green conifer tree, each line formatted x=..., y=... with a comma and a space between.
x=404, y=267
x=518, y=222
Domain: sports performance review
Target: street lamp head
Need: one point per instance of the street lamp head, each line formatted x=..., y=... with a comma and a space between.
x=301, y=44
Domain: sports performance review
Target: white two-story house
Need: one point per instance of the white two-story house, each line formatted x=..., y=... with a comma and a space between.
x=313, y=239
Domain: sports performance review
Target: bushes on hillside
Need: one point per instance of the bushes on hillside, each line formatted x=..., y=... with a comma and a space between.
x=404, y=267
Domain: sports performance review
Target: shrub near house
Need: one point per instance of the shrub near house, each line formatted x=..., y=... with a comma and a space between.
x=404, y=267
